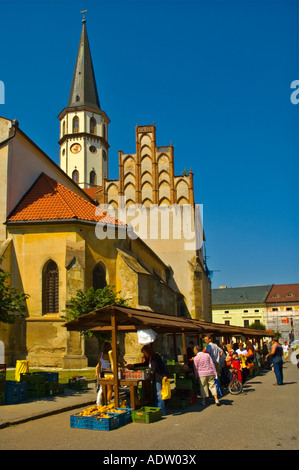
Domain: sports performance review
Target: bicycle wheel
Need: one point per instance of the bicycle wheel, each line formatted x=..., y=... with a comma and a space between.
x=235, y=387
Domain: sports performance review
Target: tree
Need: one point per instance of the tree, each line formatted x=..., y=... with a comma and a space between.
x=83, y=303
x=257, y=326
x=12, y=303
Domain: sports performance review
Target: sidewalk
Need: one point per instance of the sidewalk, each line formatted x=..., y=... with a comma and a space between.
x=38, y=408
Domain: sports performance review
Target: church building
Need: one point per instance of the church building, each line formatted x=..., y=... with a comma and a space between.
x=50, y=215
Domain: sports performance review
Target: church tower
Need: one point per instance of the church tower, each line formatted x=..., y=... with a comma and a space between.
x=83, y=125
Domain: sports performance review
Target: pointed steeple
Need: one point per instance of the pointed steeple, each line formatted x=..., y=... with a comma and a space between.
x=84, y=89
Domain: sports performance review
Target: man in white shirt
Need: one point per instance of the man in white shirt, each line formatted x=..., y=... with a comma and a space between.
x=215, y=352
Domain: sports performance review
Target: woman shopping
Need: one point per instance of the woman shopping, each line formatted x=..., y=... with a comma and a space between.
x=104, y=364
x=276, y=353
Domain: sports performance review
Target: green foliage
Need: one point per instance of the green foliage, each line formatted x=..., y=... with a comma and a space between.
x=84, y=303
x=12, y=303
x=257, y=326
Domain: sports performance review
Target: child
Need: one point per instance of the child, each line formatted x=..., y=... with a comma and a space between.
x=236, y=364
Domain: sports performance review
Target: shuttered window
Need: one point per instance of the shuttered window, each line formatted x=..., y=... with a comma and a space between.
x=51, y=288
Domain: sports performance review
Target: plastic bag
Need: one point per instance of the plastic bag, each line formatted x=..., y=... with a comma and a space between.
x=166, y=390
x=218, y=388
x=146, y=336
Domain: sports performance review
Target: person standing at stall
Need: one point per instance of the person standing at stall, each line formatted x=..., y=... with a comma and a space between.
x=205, y=372
x=158, y=372
x=276, y=353
x=104, y=364
x=215, y=352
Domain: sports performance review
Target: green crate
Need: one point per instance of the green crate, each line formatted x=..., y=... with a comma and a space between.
x=181, y=402
x=33, y=378
x=184, y=384
x=78, y=384
x=146, y=414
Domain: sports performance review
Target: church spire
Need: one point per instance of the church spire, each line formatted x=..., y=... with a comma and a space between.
x=84, y=89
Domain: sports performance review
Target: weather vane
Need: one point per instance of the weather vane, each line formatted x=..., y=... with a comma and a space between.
x=83, y=19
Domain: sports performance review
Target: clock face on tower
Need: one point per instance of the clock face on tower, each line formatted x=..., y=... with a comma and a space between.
x=75, y=148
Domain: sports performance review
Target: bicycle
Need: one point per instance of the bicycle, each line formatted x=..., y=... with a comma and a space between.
x=235, y=386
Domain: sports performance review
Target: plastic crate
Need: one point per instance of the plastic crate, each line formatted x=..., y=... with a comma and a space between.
x=179, y=403
x=125, y=417
x=49, y=376
x=81, y=422
x=15, y=392
x=184, y=384
x=78, y=384
x=146, y=414
x=106, y=424
x=35, y=378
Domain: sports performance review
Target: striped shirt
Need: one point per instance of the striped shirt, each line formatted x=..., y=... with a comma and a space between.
x=203, y=365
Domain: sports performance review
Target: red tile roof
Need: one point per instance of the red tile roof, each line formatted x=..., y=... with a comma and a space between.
x=281, y=293
x=49, y=200
x=91, y=192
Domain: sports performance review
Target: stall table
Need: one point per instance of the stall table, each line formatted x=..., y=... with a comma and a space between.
x=132, y=384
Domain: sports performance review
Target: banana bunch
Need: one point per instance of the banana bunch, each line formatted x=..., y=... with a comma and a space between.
x=102, y=410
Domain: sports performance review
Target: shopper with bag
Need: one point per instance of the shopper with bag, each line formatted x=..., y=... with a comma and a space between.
x=205, y=372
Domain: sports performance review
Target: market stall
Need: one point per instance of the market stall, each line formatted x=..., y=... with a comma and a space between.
x=116, y=318
x=126, y=319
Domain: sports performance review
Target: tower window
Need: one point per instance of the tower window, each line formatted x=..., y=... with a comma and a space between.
x=93, y=177
x=75, y=176
x=104, y=155
x=75, y=124
x=50, y=288
x=93, y=126
x=77, y=98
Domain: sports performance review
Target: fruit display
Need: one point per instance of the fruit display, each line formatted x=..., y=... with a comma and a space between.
x=102, y=411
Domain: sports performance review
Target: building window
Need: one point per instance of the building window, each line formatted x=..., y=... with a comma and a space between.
x=93, y=177
x=256, y=311
x=92, y=126
x=50, y=288
x=245, y=311
x=227, y=322
x=75, y=176
x=274, y=309
x=257, y=322
x=289, y=309
x=99, y=276
x=63, y=128
x=75, y=124
x=103, y=130
x=246, y=323
x=104, y=156
x=226, y=311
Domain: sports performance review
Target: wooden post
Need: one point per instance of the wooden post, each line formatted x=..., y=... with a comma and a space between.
x=184, y=346
x=175, y=347
x=115, y=359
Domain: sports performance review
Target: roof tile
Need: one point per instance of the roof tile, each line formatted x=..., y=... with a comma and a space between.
x=48, y=199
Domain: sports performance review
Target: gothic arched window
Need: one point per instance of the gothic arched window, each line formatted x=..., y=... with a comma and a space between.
x=75, y=176
x=93, y=126
x=50, y=287
x=99, y=276
x=75, y=124
x=93, y=177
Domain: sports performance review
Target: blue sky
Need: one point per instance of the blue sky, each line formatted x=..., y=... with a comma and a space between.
x=215, y=78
